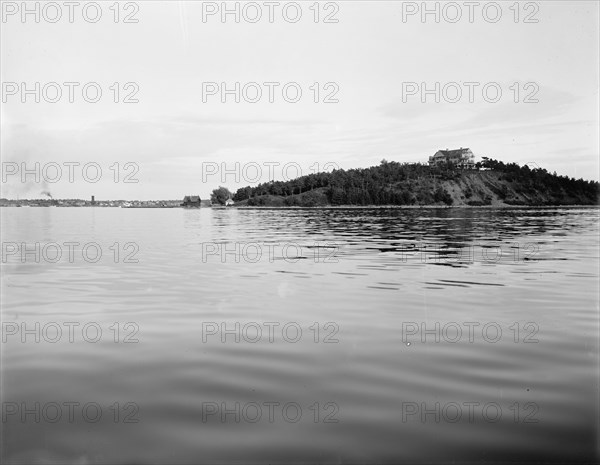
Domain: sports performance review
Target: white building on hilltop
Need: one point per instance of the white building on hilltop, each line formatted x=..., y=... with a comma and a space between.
x=463, y=158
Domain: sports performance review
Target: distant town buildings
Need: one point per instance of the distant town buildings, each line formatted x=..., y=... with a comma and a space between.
x=463, y=158
x=48, y=202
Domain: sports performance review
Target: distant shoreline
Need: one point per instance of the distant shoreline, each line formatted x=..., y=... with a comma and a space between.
x=322, y=207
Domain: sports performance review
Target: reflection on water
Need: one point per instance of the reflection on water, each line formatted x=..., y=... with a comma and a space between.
x=334, y=336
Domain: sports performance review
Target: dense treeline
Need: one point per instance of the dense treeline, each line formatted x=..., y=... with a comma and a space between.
x=393, y=183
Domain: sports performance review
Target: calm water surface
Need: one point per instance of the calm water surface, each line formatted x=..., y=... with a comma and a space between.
x=429, y=335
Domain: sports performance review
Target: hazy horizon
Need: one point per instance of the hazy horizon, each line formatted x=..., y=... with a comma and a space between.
x=46, y=194
x=366, y=61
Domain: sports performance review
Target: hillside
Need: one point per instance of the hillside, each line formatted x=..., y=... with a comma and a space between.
x=391, y=183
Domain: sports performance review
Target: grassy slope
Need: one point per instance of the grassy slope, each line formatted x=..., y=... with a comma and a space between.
x=486, y=185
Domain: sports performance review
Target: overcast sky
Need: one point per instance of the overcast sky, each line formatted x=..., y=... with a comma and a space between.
x=368, y=54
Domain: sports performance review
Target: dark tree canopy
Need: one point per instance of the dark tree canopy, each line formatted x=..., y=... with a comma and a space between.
x=394, y=183
x=220, y=195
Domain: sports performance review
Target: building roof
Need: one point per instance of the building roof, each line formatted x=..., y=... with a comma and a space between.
x=453, y=153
